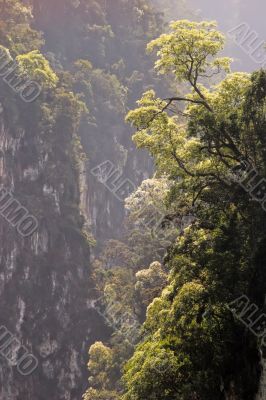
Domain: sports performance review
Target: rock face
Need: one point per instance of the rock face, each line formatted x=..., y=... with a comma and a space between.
x=45, y=277
x=46, y=289
x=262, y=388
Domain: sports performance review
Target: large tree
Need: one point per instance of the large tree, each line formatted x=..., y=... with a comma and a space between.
x=193, y=349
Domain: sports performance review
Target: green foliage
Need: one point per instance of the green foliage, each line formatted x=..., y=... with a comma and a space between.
x=100, y=367
x=191, y=342
x=150, y=282
x=57, y=126
x=35, y=65
x=15, y=31
x=102, y=91
x=149, y=230
x=191, y=349
x=99, y=364
x=191, y=346
x=189, y=51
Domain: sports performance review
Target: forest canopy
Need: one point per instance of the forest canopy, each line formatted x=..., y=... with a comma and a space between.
x=190, y=345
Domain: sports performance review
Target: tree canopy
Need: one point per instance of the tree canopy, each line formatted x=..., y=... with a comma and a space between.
x=191, y=349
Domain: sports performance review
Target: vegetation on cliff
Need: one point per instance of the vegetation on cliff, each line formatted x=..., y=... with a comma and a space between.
x=186, y=243
x=192, y=347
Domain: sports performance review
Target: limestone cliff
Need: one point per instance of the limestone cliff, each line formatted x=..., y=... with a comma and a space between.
x=44, y=277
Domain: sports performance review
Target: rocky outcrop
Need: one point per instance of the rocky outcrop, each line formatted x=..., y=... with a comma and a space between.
x=45, y=276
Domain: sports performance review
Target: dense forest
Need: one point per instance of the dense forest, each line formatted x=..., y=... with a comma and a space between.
x=132, y=202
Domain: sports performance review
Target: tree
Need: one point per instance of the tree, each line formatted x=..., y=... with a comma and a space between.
x=15, y=30
x=150, y=282
x=151, y=224
x=35, y=65
x=217, y=256
x=100, y=366
x=190, y=51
